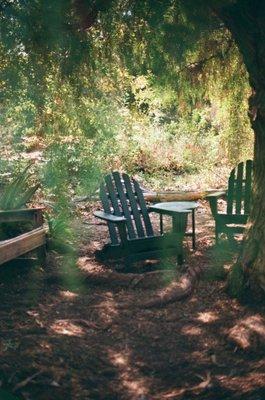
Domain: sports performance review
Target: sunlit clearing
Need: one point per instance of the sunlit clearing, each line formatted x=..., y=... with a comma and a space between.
x=67, y=294
x=129, y=376
x=207, y=317
x=66, y=327
x=191, y=330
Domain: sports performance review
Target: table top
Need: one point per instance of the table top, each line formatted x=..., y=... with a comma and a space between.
x=172, y=207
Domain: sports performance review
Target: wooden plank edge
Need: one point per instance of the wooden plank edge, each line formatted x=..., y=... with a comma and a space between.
x=22, y=244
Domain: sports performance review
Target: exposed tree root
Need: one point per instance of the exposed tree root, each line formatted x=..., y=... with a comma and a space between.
x=147, y=280
x=195, y=390
x=172, y=287
x=176, y=290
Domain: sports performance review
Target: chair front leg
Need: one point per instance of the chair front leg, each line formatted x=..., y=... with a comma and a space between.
x=193, y=229
x=216, y=233
x=161, y=224
x=213, y=205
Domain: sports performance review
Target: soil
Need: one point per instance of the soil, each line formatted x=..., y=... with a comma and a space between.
x=66, y=337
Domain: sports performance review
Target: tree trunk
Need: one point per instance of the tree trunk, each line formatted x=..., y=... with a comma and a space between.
x=246, y=21
x=253, y=256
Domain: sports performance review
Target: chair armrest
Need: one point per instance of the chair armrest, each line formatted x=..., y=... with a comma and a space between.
x=212, y=198
x=149, y=210
x=109, y=217
x=216, y=194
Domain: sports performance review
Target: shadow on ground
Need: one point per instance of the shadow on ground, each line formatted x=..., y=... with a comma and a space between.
x=62, y=342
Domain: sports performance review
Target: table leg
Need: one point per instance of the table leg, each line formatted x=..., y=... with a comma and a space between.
x=179, y=222
x=161, y=224
x=193, y=229
x=179, y=225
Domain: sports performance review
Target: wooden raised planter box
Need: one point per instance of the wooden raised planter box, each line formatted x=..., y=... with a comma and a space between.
x=25, y=242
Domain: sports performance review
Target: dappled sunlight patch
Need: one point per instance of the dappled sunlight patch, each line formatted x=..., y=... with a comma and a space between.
x=45, y=346
x=129, y=376
x=109, y=308
x=248, y=332
x=198, y=356
x=67, y=294
x=207, y=317
x=96, y=244
x=66, y=327
x=191, y=330
x=193, y=299
x=119, y=359
x=106, y=311
x=243, y=384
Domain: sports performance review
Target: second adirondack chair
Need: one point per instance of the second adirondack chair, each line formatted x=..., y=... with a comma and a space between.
x=238, y=201
x=131, y=233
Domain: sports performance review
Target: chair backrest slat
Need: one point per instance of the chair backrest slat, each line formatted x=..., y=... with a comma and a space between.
x=238, y=191
x=113, y=195
x=134, y=206
x=142, y=204
x=106, y=207
x=124, y=204
x=248, y=186
x=239, y=188
x=230, y=192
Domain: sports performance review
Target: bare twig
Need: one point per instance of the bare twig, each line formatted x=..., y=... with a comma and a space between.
x=26, y=381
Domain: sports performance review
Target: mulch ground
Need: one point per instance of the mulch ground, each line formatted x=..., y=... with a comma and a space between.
x=63, y=338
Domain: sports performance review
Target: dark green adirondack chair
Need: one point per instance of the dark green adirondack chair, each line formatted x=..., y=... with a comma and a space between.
x=238, y=201
x=131, y=233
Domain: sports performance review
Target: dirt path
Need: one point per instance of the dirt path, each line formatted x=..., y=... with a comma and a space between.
x=63, y=343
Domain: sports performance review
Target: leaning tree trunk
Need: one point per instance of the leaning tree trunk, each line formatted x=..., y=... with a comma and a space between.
x=249, y=270
x=246, y=21
x=252, y=259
